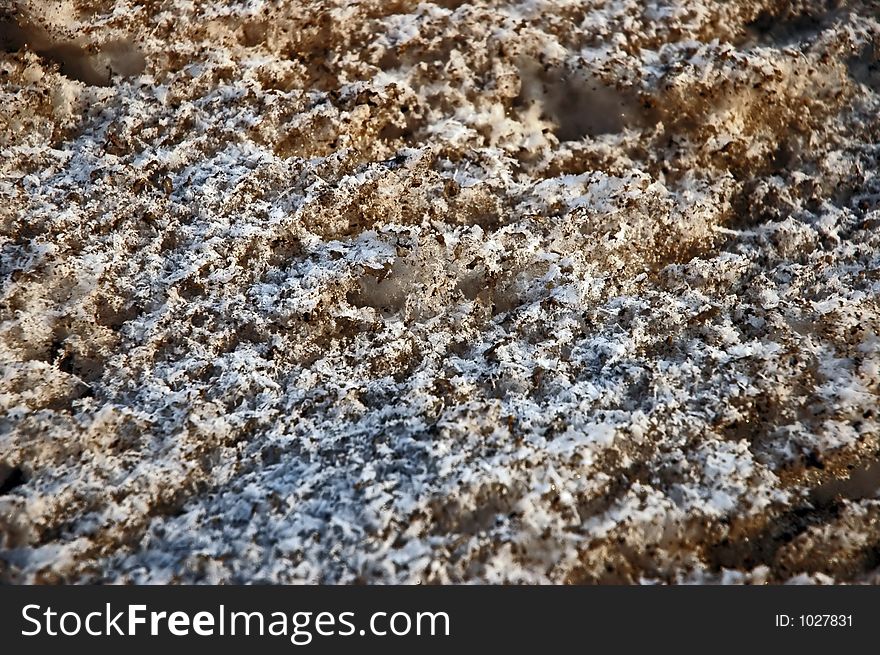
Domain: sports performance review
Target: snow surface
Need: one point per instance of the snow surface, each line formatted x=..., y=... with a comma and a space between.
x=439, y=292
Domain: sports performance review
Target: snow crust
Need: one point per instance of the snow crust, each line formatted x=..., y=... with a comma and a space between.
x=439, y=292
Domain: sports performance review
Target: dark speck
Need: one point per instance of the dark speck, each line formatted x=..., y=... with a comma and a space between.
x=813, y=460
x=10, y=478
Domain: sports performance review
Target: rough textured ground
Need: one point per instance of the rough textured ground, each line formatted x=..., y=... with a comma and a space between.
x=393, y=292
